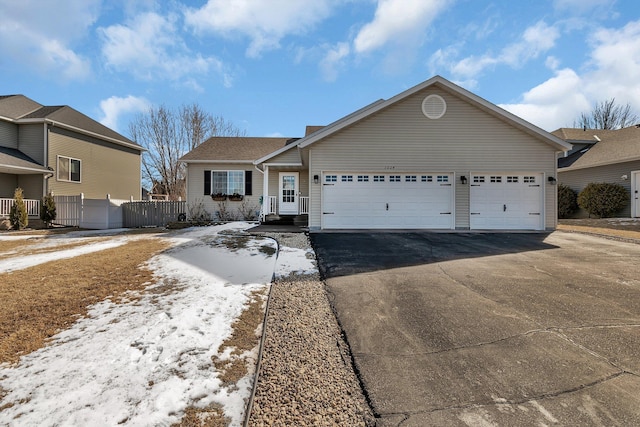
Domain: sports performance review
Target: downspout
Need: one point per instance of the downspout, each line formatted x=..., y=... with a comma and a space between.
x=45, y=141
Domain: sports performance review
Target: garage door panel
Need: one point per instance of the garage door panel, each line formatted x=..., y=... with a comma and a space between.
x=387, y=200
x=506, y=201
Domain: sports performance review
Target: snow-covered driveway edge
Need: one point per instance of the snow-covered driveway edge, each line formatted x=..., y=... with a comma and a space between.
x=144, y=362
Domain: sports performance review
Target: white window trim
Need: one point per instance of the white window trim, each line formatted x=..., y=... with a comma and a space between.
x=58, y=157
x=244, y=189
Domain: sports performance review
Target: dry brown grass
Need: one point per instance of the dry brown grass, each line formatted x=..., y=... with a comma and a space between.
x=242, y=339
x=40, y=301
x=212, y=416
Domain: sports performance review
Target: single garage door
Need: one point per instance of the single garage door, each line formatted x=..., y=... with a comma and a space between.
x=387, y=200
x=506, y=201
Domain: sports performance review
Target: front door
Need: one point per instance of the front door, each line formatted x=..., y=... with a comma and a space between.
x=288, y=199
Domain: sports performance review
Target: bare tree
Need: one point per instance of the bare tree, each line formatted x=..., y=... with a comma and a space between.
x=607, y=115
x=168, y=135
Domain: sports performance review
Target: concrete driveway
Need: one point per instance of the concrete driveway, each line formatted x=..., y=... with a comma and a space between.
x=490, y=329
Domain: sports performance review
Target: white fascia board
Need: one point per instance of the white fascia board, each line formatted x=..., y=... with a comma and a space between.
x=297, y=165
x=27, y=169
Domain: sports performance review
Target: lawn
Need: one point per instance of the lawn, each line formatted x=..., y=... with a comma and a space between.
x=133, y=328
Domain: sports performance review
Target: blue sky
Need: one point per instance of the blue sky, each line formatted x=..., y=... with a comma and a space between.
x=273, y=66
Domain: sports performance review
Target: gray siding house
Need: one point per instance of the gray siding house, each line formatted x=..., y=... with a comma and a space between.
x=604, y=156
x=58, y=149
x=435, y=156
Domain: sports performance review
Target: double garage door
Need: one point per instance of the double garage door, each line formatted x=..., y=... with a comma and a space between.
x=427, y=201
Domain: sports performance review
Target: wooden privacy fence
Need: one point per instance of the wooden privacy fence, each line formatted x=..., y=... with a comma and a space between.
x=152, y=212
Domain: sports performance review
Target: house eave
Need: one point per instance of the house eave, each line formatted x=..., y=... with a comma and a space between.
x=598, y=164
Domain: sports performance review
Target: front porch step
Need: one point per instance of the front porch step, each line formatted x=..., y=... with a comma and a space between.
x=298, y=220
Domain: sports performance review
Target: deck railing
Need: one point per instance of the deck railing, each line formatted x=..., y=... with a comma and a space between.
x=33, y=207
x=272, y=205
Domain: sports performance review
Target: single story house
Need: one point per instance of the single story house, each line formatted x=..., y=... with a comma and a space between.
x=435, y=156
x=60, y=150
x=605, y=156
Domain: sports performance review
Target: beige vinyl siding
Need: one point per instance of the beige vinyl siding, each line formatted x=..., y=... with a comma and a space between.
x=579, y=179
x=195, y=187
x=401, y=139
x=31, y=141
x=31, y=186
x=105, y=168
x=291, y=156
x=8, y=184
x=8, y=134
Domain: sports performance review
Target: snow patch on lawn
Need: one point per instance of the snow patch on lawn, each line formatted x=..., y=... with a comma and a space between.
x=143, y=362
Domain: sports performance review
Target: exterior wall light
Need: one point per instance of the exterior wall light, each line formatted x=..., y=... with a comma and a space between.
x=552, y=180
x=463, y=179
x=316, y=179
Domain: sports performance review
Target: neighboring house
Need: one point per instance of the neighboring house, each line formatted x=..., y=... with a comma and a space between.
x=435, y=156
x=609, y=156
x=58, y=149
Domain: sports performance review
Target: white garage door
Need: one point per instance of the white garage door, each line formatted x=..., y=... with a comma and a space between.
x=387, y=200
x=500, y=201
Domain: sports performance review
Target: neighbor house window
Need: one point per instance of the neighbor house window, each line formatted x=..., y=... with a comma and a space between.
x=227, y=182
x=68, y=169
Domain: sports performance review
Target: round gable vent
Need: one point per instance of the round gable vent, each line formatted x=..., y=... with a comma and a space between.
x=434, y=106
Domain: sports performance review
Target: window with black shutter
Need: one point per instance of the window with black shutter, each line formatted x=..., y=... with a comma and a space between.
x=248, y=187
x=207, y=183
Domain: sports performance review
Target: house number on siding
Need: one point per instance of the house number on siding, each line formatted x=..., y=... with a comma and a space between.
x=389, y=167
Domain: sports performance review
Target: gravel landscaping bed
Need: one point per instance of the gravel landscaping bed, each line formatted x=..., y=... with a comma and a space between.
x=305, y=377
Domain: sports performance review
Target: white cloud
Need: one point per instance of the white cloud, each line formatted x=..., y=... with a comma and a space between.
x=266, y=23
x=149, y=47
x=334, y=60
x=113, y=107
x=615, y=65
x=554, y=103
x=41, y=37
x=397, y=19
x=535, y=40
x=613, y=71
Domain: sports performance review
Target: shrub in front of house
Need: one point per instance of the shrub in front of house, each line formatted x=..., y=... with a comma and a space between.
x=567, y=201
x=603, y=199
x=18, y=214
x=48, y=210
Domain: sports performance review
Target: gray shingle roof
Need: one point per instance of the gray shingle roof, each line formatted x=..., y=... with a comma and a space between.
x=615, y=146
x=19, y=107
x=227, y=148
x=15, y=160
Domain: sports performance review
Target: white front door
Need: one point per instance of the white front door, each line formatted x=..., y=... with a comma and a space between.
x=288, y=198
x=635, y=194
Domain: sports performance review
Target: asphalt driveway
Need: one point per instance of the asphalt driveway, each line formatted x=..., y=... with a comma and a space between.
x=489, y=329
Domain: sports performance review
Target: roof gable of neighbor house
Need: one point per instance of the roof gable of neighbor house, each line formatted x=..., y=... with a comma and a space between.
x=74, y=119
x=447, y=86
x=615, y=146
x=233, y=149
x=16, y=106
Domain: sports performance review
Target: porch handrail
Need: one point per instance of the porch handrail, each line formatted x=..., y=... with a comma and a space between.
x=33, y=207
x=303, y=205
x=272, y=204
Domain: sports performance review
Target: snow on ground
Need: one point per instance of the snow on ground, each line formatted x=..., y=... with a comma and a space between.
x=144, y=362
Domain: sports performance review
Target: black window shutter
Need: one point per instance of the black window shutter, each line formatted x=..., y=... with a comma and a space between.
x=248, y=187
x=207, y=183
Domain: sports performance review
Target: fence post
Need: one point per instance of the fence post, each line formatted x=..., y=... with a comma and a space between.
x=81, y=207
